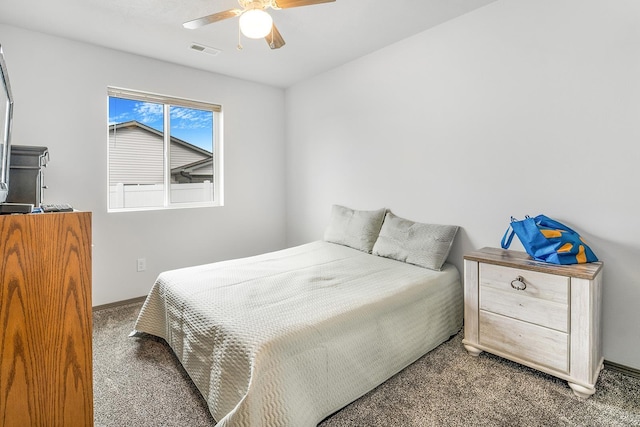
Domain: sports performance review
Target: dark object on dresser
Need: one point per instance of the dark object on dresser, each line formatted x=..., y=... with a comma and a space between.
x=26, y=182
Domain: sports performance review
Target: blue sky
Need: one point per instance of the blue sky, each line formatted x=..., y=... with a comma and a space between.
x=188, y=124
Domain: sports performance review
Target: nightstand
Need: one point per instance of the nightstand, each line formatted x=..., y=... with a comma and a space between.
x=544, y=316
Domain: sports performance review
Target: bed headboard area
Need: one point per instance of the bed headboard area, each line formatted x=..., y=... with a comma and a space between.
x=380, y=232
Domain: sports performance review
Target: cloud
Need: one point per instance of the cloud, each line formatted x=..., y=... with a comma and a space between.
x=123, y=117
x=147, y=112
x=184, y=120
x=189, y=118
x=144, y=112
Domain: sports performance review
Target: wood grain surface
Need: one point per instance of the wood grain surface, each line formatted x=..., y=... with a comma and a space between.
x=45, y=320
x=509, y=258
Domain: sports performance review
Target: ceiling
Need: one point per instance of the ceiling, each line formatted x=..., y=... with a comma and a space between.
x=319, y=37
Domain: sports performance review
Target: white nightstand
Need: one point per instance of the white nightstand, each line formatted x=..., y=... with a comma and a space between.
x=541, y=315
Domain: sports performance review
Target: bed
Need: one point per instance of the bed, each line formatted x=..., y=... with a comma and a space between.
x=289, y=337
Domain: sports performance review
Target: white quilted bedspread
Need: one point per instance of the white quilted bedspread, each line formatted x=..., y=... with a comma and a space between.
x=289, y=337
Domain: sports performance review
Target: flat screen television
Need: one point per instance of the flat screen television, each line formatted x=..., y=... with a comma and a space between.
x=6, y=117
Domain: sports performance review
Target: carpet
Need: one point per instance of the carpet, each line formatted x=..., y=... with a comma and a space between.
x=139, y=382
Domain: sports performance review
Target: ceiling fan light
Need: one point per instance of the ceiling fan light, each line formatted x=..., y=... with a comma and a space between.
x=255, y=23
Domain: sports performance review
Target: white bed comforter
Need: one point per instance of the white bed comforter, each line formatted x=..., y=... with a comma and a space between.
x=289, y=337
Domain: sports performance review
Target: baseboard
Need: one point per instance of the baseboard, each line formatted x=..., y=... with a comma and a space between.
x=120, y=303
x=632, y=372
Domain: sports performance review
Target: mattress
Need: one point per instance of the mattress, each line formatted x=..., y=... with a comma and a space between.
x=289, y=337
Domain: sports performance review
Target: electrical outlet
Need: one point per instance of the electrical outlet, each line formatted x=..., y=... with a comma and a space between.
x=142, y=264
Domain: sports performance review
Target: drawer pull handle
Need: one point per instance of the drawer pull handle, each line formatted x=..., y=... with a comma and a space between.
x=518, y=284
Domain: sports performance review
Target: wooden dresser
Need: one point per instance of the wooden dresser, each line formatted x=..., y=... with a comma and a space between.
x=541, y=315
x=45, y=320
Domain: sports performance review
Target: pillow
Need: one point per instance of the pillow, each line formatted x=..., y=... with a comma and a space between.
x=356, y=229
x=425, y=245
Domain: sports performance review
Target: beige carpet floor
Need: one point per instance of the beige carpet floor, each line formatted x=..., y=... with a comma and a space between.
x=139, y=382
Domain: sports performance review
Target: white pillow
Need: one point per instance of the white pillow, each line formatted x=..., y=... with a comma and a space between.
x=425, y=245
x=356, y=229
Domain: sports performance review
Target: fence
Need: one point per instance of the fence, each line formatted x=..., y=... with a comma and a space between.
x=152, y=195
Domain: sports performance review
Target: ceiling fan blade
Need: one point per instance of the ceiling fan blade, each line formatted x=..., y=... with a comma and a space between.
x=285, y=4
x=274, y=38
x=210, y=19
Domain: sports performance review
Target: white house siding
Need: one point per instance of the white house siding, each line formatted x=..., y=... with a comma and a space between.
x=135, y=157
x=181, y=155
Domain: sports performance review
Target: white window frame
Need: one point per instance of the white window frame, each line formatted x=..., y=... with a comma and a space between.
x=218, y=148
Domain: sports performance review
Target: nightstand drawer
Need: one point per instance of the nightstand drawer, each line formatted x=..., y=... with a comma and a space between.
x=525, y=340
x=548, y=320
x=544, y=301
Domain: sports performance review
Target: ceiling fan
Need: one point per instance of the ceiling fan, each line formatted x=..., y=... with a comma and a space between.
x=255, y=22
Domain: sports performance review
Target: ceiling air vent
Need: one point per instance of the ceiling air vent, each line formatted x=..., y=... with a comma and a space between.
x=205, y=49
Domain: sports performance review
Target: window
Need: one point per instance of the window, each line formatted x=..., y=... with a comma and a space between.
x=163, y=152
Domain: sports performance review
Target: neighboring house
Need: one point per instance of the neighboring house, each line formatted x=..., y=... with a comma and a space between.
x=136, y=157
x=198, y=171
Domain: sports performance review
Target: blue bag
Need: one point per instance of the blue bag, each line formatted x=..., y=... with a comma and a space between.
x=548, y=240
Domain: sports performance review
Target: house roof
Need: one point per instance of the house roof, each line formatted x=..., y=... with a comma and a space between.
x=137, y=124
x=191, y=166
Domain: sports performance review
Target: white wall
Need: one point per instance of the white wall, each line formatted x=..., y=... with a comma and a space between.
x=60, y=90
x=521, y=107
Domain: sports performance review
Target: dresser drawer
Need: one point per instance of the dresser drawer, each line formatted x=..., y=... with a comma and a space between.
x=524, y=340
x=544, y=301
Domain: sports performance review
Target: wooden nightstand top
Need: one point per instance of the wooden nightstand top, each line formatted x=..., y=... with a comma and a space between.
x=522, y=260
